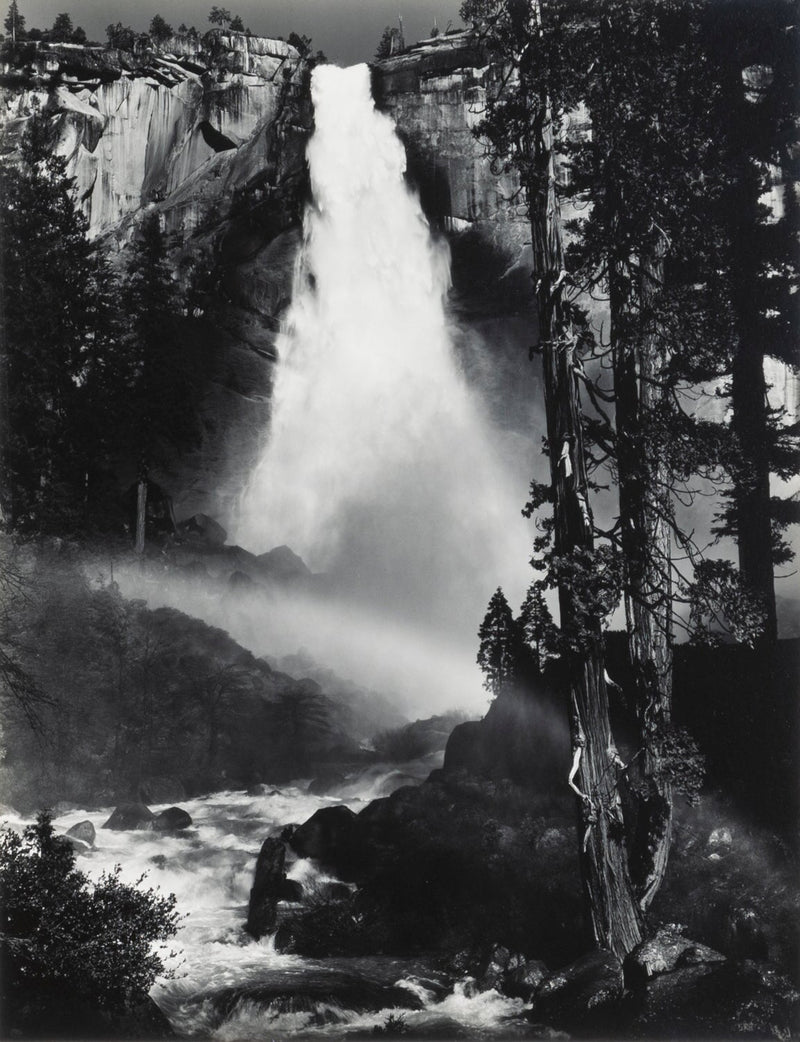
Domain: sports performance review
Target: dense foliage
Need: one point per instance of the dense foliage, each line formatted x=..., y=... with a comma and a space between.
x=120, y=695
x=104, y=939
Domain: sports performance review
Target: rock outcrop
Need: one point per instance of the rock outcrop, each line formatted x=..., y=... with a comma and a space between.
x=436, y=92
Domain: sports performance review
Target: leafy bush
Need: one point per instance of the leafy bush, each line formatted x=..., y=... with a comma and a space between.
x=96, y=938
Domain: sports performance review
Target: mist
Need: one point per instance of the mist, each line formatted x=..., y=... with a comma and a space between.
x=383, y=466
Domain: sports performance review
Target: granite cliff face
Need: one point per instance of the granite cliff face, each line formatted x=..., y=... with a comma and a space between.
x=436, y=93
x=210, y=133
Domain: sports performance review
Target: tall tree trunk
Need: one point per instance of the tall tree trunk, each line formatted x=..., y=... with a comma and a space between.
x=604, y=861
x=640, y=360
x=141, y=511
x=752, y=492
x=748, y=387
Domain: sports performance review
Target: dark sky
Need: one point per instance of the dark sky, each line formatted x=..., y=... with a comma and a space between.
x=347, y=30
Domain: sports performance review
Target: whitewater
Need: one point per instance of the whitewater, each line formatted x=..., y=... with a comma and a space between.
x=210, y=868
x=380, y=466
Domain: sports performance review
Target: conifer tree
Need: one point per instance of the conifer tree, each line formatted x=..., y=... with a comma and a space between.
x=500, y=649
x=160, y=30
x=62, y=27
x=55, y=330
x=14, y=23
x=538, y=627
x=156, y=413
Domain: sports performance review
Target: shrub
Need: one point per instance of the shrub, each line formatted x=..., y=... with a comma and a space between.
x=96, y=938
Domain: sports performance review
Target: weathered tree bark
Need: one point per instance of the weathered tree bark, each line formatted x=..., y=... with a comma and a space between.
x=604, y=861
x=748, y=387
x=752, y=491
x=141, y=512
x=640, y=360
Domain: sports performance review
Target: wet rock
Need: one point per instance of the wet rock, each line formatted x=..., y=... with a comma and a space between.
x=522, y=981
x=203, y=529
x=327, y=836
x=84, y=831
x=290, y=890
x=722, y=1000
x=131, y=816
x=334, y=891
x=591, y=984
x=270, y=876
x=493, y=968
x=288, y=831
x=77, y=845
x=282, y=564
x=289, y=992
x=663, y=952
x=173, y=819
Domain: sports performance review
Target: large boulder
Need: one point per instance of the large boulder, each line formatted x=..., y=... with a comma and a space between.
x=130, y=817
x=328, y=836
x=521, y=738
x=582, y=990
x=203, y=529
x=173, y=819
x=520, y=982
x=268, y=888
x=718, y=1000
x=665, y=951
x=84, y=831
x=282, y=564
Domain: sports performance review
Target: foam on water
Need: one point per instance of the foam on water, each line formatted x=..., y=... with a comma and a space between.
x=209, y=867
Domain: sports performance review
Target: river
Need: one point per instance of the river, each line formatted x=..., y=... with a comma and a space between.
x=228, y=986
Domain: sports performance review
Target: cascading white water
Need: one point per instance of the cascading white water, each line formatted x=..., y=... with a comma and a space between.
x=379, y=465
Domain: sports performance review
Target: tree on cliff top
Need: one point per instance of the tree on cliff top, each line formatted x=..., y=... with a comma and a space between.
x=160, y=30
x=220, y=16
x=501, y=643
x=62, y=27
x=14, y=23
x=120, y=36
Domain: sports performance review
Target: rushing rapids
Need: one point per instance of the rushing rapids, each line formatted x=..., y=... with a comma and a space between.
x=228, y=986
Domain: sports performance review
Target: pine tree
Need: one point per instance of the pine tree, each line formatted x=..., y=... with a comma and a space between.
x=62, y=27
x=537, y=625
x=52, y=290
x=500, y=649
x=753, y=52
x=160, y=31
x=220, y=16
x=14, y=24
x=155, y=402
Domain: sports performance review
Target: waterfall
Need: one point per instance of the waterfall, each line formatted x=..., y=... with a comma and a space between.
x=380, y=466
